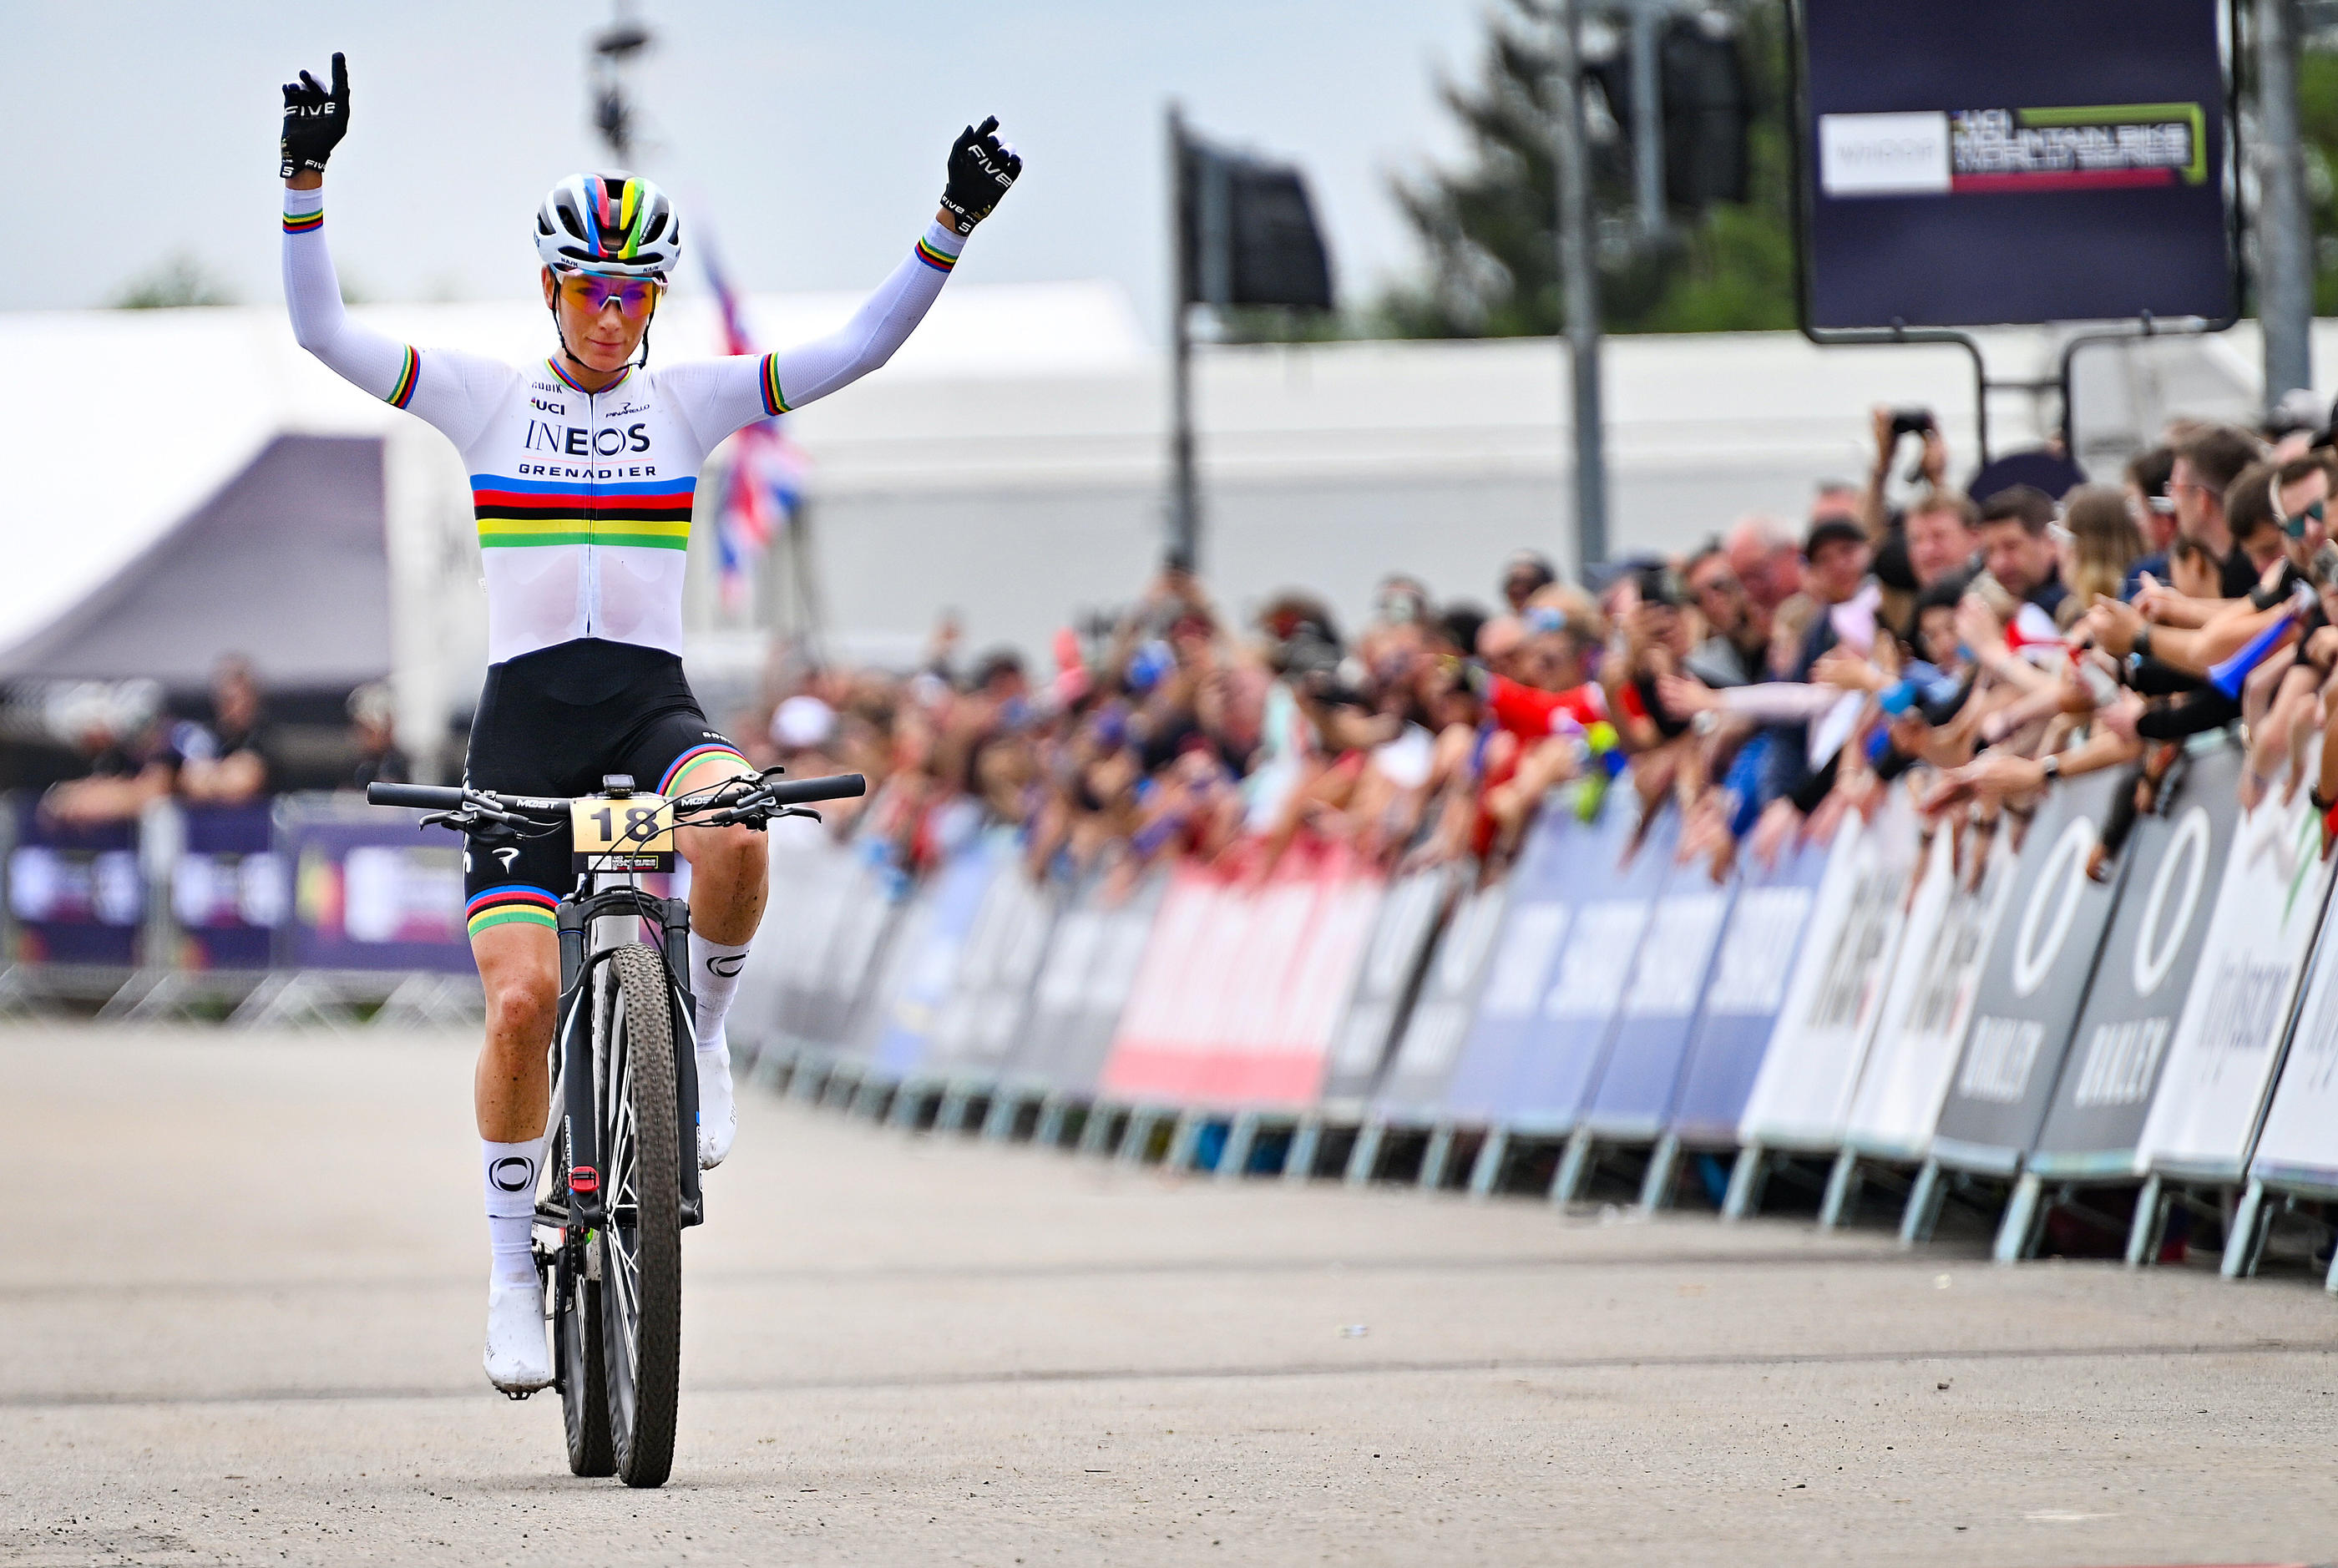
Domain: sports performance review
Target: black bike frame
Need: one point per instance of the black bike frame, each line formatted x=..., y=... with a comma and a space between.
x=671, y=918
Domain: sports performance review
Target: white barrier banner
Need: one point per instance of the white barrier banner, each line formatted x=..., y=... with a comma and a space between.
x=1951, y=924
x=2300, y=1139
x=1802, y=1097
x=2227, y=1045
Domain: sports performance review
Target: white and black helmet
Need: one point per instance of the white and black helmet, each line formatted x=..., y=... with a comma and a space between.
x=615, y=223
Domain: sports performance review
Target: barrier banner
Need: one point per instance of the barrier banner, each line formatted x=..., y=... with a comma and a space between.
x=2299, y=1142
x=1283, y=1062
x=812, y=875
x=868, y=924
x=1090, y=974
x=1551, y=1079
x=924, y=967
x=1561, y=863
x=74, y=894
x=1180, y=988
x=1241, y=987
x=1651, y=1035
x=1951, y=924
x=1752, y=966
x=370, y=891
x=1401, y=943
x=1802, y=1095
x=2227, y=1045
x=2033, y=982
x=982, y=1022
x=1413, y=1088
x=2145, y=973
x=229, y=890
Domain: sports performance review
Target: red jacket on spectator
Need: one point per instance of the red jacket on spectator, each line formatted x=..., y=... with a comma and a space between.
x=1531, y=713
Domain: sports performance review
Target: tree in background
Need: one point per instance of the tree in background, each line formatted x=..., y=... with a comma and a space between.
x=1489, y=227
x=173, y=283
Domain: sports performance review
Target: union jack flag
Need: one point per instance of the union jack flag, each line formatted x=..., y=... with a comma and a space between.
x=763, y=485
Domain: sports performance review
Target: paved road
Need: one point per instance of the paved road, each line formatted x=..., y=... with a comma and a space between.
x=241, y=1300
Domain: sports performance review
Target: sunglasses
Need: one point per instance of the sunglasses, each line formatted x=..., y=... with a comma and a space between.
x=594, y=291
x=2295, y=526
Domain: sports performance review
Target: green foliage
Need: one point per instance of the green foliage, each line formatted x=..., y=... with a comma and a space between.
x=1489, y=227
x=2317, y=117
x=175, y=282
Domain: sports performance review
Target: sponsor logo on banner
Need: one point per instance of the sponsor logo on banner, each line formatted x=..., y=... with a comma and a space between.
x=1999, y=1059
x=1757, y=956
x=2119, y=1061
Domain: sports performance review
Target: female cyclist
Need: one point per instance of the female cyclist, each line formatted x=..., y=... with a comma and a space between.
x=583, y=467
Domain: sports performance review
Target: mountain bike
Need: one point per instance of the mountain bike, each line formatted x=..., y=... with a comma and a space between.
x=620, y=1162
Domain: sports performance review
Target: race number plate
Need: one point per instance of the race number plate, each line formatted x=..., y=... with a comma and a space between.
x=631, y=834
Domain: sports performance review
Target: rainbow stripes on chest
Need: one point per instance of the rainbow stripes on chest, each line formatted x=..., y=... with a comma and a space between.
x=646, y=515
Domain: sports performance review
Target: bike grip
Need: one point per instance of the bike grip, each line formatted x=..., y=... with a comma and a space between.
x=428, y=797
x=803, y=792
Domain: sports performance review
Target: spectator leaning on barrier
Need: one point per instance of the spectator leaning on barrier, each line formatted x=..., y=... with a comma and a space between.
x=373, y=737
x=2153, y=511
x=2205, y=463
x=238, y=769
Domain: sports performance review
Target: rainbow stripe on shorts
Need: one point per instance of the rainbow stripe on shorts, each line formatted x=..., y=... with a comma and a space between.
x=513, y=903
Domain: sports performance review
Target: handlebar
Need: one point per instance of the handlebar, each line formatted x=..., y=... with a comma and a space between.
x=803, y=792
x=428, y=797
x=449, y=798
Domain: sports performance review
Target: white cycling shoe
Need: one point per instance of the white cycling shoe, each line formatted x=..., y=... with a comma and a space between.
x=718, y=1115
x=519, y=1357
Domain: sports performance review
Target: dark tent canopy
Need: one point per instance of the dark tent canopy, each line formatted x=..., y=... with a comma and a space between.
x=286, y=564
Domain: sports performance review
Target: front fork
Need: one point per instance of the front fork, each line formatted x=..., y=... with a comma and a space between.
x=575, y=1015
x=673, y=923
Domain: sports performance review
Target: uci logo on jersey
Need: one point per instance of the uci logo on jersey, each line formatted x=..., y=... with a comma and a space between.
x=548, y=405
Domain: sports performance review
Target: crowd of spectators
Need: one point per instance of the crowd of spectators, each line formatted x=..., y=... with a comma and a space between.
x=1971, y=648
x=133, y=750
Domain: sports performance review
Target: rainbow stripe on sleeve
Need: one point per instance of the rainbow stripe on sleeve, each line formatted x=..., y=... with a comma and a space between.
x=402, y=392
x=513, y=903
x=304, y=222
x=651, y=515
x=939, y=261
x=775, y=402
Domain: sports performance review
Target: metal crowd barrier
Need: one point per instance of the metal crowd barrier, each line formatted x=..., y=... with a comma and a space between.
x=304, y=907
x=1897, y=1020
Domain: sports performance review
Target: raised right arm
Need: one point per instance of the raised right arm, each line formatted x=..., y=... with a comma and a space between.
x=454, y=392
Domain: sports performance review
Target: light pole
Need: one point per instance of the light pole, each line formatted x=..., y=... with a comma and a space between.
x=1579, y=285
x=2284, y=234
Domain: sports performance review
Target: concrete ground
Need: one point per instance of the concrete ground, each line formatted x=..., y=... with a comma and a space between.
x=240, y=1305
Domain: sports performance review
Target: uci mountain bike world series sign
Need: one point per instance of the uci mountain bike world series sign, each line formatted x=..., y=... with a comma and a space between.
x=2090, y=184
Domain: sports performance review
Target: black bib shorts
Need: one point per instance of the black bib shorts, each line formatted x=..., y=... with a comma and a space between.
x=558, y=721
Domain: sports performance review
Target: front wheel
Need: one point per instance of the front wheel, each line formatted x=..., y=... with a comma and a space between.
x=640, y=1187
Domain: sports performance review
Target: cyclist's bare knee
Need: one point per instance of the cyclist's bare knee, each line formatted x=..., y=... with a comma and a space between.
x=520, y=969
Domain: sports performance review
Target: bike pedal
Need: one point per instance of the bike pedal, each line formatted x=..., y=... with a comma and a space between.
x=515, y=1394
x=693, y=1211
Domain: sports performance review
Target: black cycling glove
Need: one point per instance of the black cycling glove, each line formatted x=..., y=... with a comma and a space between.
x=315, y=121
x=982, y=168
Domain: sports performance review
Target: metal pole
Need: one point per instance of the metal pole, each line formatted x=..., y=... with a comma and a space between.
x=2284, y=231
x=1647, y=118
x=1185, y=505
x=1579, y=280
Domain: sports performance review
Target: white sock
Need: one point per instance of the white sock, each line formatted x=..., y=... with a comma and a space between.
x=510, y=1176
x=714, y=968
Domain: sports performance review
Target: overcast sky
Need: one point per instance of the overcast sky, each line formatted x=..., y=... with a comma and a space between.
x=813, y=136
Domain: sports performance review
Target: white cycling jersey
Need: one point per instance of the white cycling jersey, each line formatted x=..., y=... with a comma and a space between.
x=583, y=498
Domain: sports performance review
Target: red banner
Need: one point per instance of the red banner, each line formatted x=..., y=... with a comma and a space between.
x=1243, y=979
